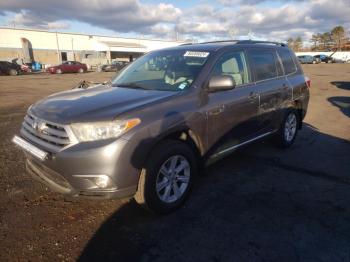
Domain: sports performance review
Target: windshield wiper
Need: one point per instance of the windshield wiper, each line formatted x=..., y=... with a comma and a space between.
x=130, y=85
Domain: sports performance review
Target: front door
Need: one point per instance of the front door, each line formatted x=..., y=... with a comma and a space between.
x=232, y=114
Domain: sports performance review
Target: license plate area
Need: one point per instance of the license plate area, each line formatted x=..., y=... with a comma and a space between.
x=33, y=150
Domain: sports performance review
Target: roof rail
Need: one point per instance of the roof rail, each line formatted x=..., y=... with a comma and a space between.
x=260, y=42
x=220, y=41
x=245, y=42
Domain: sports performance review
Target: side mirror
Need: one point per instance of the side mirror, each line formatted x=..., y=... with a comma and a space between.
x=221, y=83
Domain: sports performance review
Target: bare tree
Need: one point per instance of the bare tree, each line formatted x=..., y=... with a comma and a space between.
x=298, y=43
x=290, y=43
x=326, y=40
x=338, y=35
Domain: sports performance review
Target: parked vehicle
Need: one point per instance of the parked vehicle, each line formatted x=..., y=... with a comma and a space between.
x=9, y=68
x=115, y=66
x=307, y=59
x=324, y=59
x=68, y=67
x=148, y=132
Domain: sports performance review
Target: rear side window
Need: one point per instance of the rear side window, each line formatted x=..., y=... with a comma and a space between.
x=287, y=61
x=264, y=63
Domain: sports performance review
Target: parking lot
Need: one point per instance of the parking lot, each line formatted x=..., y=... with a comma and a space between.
x=259, y=204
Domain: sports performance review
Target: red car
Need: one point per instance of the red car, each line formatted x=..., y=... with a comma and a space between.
x=68, y=67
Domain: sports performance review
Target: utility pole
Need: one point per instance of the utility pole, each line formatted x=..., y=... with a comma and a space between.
x=58, y=49
x=73, y=48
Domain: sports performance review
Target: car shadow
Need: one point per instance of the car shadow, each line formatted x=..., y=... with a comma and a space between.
x=260, y=203
x=342, y=102
x=341, y=84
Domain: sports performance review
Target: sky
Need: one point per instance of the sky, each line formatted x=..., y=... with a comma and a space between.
x=199, y=20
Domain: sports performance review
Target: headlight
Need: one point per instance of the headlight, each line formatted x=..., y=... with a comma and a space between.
x=103, y=130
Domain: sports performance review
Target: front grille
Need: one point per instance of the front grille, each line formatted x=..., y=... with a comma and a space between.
x=52, y=137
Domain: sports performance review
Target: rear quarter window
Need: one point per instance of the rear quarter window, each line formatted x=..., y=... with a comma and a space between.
x=287, y=61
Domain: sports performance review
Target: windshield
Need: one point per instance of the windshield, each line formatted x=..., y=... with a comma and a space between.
x=163, y=70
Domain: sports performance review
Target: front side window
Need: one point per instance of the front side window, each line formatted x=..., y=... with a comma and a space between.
x=233, y=64
x=287, y=61
x=264, y=64
x=170, y=70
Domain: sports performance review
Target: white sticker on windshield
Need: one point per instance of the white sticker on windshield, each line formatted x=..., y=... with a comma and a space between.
x=196, y=54
x=183, y=85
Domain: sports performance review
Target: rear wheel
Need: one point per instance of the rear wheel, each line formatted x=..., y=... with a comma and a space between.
x=13, y=72
x=288, y=131
x=167, y=179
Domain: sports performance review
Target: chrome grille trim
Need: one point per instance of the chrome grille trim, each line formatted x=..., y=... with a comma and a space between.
x=51, y=136
x=51, y=128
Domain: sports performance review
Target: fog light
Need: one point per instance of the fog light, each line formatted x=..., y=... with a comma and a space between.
x=97, y=181
x=102, y=181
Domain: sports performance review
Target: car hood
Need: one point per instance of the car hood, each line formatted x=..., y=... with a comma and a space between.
x=99, y=103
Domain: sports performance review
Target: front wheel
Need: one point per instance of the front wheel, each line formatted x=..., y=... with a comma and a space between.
x=80, y=71
x=13, y=72
x=58, y=71
x=288, y=131
x=167, y=179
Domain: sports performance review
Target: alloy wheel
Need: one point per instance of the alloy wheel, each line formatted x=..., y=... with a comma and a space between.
x=173, y=179
x=290, y=127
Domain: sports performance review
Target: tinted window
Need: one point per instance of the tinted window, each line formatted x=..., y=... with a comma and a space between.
x=287, y=61
x=233, y=64
x=264, y=64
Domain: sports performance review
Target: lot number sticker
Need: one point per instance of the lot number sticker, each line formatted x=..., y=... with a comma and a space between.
x=196, y=54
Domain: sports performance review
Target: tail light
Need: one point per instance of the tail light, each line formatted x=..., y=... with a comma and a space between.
x=308, y=81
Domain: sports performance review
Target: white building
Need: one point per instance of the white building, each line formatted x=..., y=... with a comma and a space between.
x=54, y=47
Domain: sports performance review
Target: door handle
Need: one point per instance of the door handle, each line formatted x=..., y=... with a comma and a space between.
x=253, y=95
x=217, y=110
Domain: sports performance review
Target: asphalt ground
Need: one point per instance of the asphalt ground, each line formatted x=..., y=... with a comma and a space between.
x=259, y=204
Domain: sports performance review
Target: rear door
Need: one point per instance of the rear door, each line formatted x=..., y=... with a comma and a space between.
x=293, y=73
x=272, y=86
x=75, y=66
x=65, y=67
x=232, y=114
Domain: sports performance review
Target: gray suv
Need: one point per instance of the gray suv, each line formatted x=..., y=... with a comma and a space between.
x=162, y=119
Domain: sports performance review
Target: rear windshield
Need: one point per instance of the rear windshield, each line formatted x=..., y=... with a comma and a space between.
x=163, y=70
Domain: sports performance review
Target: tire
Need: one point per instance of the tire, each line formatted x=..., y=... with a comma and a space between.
x=13, y=72
x=314, y=62
x=167, y=156
x=287, y=133
x=58, y=71
x=80, y=71
x=329, y=62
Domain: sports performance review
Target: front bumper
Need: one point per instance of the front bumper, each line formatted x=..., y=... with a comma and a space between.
x=68, y=172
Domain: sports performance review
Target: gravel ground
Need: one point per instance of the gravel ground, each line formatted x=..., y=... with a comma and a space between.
x=259, y=204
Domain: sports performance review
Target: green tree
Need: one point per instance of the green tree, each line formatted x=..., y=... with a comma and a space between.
x=315, y=40
x=338, y=35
